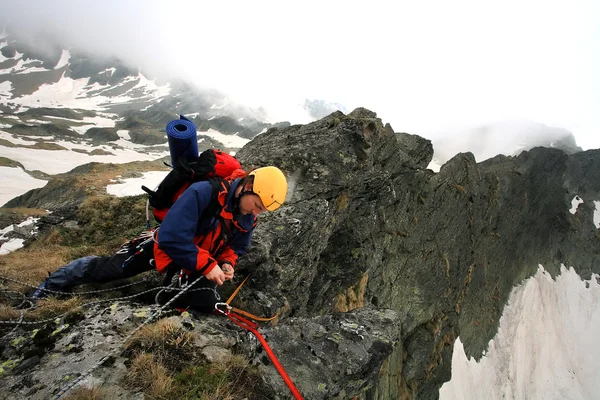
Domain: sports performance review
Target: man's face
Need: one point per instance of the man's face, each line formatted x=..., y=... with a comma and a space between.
x=250, y=203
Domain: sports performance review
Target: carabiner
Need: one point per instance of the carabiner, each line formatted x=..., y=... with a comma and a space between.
x=182, y=284
x=226, y=307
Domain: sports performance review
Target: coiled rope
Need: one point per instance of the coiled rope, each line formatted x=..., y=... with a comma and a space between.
x=20, y=321
x=6, y=278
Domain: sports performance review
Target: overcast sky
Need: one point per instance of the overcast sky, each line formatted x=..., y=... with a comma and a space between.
x=431, y=68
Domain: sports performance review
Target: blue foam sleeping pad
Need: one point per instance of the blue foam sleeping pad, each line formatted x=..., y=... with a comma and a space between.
x=181, y=134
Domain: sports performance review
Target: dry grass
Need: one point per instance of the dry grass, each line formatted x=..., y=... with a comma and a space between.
x=45, y=309
x=8, y=313
x=43, y=256
x=85, y=393
x=51, y=307
x=33, y=212
x=33, y=263
x=233, y=379
x=150, y=376
x=47, y=146
x=101, y=175
x=165, y=332
x=353, y=297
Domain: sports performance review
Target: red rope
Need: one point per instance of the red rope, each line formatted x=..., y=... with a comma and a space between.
x=252, y=327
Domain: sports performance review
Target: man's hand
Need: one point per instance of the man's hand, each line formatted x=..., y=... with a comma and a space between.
x=216, y=275
x=227, y=270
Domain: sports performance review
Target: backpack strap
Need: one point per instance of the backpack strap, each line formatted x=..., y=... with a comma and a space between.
x=215, y=206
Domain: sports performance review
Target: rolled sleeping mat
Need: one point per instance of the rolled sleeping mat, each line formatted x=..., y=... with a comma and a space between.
x=183, y=141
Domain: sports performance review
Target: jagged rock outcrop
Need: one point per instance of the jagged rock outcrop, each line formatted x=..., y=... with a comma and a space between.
x=329, y=347
x=377, y=264
x=368, y=226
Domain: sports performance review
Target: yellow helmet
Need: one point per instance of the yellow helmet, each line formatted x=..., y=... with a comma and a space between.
x=270, y=185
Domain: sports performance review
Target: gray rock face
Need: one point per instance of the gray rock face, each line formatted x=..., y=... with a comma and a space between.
x=366, y=225
x=376, y=264
x=330, y=357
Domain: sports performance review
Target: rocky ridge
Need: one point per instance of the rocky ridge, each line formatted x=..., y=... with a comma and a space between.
x=377, y=264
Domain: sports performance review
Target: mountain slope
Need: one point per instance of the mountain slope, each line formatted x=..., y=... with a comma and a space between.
x=375, y=264
x=67, y=106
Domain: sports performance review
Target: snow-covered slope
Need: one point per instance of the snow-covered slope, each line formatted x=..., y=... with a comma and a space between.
x=49, y=104
x=546, y=347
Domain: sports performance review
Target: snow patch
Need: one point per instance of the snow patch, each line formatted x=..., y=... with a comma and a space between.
x=59, y=161
x=17, y=67
x=31, y=69
x=15, y=243
x=150, y=87
x=2, y=44
x=546, y=346
x=11, y=245
x=18, y=141
x=5, y=89
x=109, y=71
x=597, y=214
x=124, y=134
x=4, y=231
x=434, y=166
x=216, y=107
x=133, y=186
x=64, y=59
x=27, y=222
x=233, y=141
x=575, y=203
x=16, y=182
x=77, y=94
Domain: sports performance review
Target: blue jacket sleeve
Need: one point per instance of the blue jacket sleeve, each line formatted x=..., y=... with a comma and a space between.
x=178, y=229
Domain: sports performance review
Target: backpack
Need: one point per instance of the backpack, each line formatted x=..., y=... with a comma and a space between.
x=212, y=165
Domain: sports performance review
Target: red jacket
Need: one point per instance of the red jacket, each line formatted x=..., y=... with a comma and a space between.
x=194, y=244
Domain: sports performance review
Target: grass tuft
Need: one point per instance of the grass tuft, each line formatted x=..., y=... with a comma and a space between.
x=8, y=313
x=233, y=379
x=151, y=376
x=86, y=393
x=52, y=307
x=166, y=332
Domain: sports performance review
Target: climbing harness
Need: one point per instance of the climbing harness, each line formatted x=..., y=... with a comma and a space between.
x=180, y=281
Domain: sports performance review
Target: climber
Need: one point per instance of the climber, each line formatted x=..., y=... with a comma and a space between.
x=187, y=240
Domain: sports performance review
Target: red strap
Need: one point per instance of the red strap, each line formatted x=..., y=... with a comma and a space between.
x=251, y=326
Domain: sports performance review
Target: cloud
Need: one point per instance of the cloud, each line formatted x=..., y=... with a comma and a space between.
x=318, y=109
x=502, y=137
x=430, y=69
